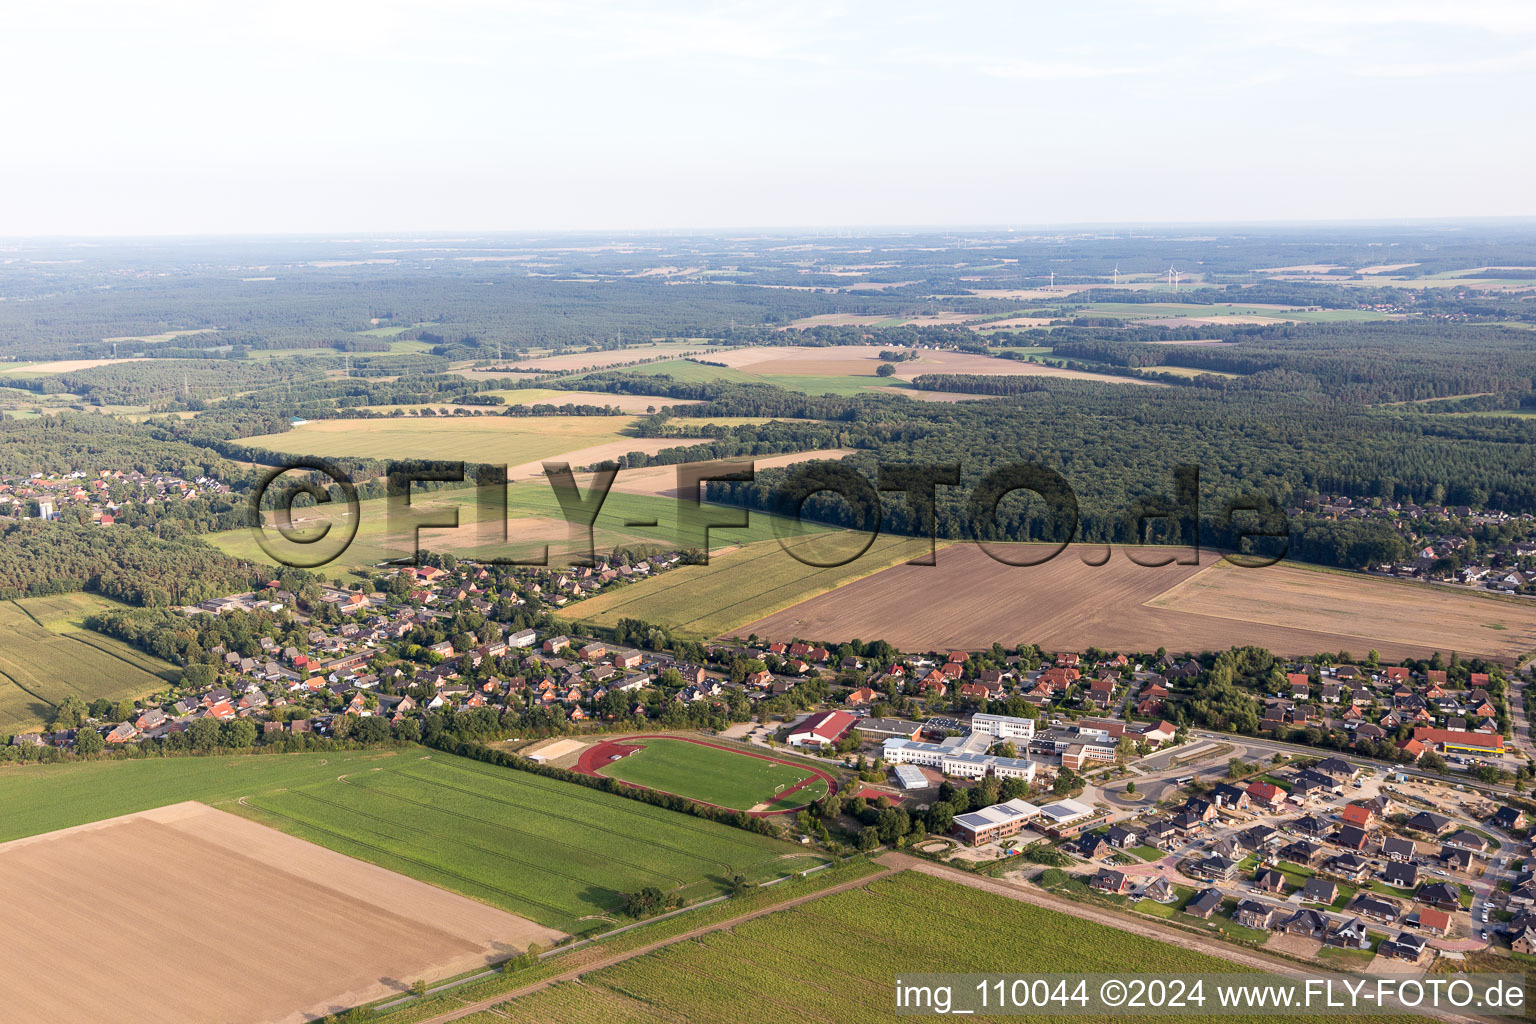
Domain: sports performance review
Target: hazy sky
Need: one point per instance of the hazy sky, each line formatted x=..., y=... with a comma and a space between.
x=184, y=116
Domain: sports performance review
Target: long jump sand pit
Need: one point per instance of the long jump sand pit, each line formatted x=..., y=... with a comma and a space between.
x=969, y=600
x=186, y=913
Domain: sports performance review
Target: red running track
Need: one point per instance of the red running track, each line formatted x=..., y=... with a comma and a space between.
x=595, y=757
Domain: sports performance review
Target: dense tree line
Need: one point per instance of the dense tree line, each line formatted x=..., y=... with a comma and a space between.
x=39, y=557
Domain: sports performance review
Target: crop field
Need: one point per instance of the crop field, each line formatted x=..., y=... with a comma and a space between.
x=635, y=404
x=509, y=439
x=1385, y=614
x=534, y=519
x=835, y=958
x=46, y=654
x=739, y=586
x=609, y=357
x=726, y=778
x=312, y=931
x=554, y=852
x=970, y=600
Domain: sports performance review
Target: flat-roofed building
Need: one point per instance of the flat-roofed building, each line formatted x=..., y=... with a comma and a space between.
x=965, y=757
x=996, y=821
x=1004, y=727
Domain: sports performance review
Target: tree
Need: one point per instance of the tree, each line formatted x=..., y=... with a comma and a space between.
x=89, y=741
x=70, y=713
x=885, y=370
x=238, y=733
x=418, y=988
x=204, y=733
x=198, y=676
x=1130, y=787
x=1432, y=762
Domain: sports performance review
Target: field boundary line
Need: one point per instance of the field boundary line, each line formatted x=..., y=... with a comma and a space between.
x=618, y=958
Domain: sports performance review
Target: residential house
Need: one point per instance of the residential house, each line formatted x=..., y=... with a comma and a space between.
x=1309, y=923
x=1320, y=890
x=1253, y=914
x=1205, y=903
x=1112, y=882
x=1376, y=908
x=1351, y=934
x=1441, y=895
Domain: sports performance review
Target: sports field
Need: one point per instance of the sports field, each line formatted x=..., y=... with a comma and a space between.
x=311, y=931
x=557, y=853
x=836, y=959
x=700, y=771
x=969, y=600
x=46, y=654
x=740, y=586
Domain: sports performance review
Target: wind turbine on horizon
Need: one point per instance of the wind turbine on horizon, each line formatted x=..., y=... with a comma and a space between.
x=1173, y=278
x=1117, y=274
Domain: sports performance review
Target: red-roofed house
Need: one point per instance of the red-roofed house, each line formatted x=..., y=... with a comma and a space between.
x=1356, y=814
x=1266, y=794
x=820, y=728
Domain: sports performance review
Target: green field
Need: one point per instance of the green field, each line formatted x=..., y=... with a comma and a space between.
x=534, y=517
x=741, y=586
x=740, y=782
x=47, y=654
x=556, y=852
x=509, y=439
x=836, y=959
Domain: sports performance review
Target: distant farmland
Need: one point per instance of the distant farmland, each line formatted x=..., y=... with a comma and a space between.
x=47, y=655
x=551, y=851
x=968, y=601
x=513, y=440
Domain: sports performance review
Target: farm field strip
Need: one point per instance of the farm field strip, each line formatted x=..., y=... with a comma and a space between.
x=709, y=833
x=313, y=931
x=568, y=868
x=973, y=601
x=555, y=852
x=42, y=664
x=757, y=580
x=559, y=824
x=833, y=958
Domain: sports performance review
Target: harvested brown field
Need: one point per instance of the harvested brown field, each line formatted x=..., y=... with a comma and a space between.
x=1386, y=614
x=611, y=357
x=233, y=921
x=857, y=360
x=969, y=600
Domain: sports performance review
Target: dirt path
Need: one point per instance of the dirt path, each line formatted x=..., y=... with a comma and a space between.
x=630, y=954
